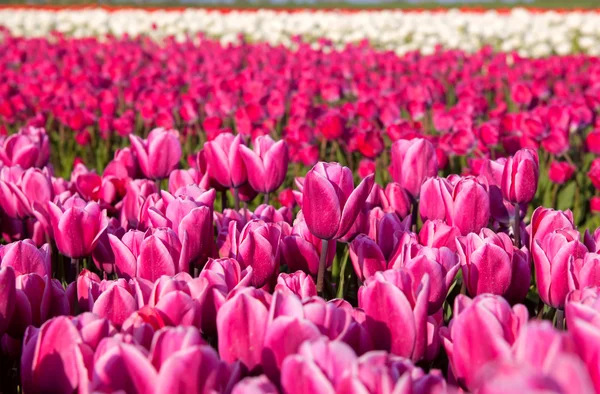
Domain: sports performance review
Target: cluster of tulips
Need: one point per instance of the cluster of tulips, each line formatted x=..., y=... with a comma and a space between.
x=195, y=217
x=152, y=278
x=347, y=105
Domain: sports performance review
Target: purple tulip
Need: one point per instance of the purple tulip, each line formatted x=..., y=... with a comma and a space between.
x=225, y=162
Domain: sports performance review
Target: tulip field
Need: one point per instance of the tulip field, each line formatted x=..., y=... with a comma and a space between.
x=299, y=202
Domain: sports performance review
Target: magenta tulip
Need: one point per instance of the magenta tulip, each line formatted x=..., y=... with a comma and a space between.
x=242, y=323
x=55, y=358
x=77, y=226
x=413, y=161
x=267, y=164
x=30, y=147
x=482, y=330
x=391, y=297
x=159, y=154
x=7, y=297
x=520, y=177
x=555, y=259
x=225, y=163
x=147, y=255
x=491, y=264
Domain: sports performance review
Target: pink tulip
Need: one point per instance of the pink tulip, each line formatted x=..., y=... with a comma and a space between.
x=298, y=283
x=329, y=201
x=242, y=323
x=30, y=147
x=147, y=255
x=283, y=337
x=413, y=161
x=258, y=246
x=123, y=367
x=367, y=257
x=466, y=205
x=194, y=369
x=25, y=258
x=436, y=233
x=55, y=358
x=255, y=385
x=225, y=162
x=544, y=221
x=520, y=177
x=38, y=299
x=7, y=297
x=491, y=264
x=266, y=165
x=193, y=224
x=115, y=304
x=481, y=331
x=159, y=154
x=318, y=368
x=393, y=296
x=555, y=258
x=77, y=226
x=583, y=317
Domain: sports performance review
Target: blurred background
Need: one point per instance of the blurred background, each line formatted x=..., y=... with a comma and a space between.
x=324, y=3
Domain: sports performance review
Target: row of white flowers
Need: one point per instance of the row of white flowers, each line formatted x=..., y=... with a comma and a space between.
x=531, y=33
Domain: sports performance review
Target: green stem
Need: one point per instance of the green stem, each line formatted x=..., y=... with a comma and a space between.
x=517, y=226
x=322, y=263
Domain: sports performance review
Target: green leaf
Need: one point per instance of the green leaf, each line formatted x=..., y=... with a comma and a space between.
x=566, y=196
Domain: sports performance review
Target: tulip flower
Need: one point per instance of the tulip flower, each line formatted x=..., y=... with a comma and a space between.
x=520, y=182
x=331, y=204
x=482, y=330
x=159, y=154
x=147, y=255
x=266, y=165
x=491, y=264
x=257, y=246
x=54, y=358
x=466, y=205
x=391, y=297
x=297, y=283
x=225, y=161
x=583, y=315
x=555, y=259
x=7, y=297
x=560, y=172
x=30, y=147
x=242, y=323
x=77, y=228
x=413, y=161
x=544, y=221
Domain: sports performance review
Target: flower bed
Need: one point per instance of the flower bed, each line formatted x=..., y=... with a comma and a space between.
x=190, y=215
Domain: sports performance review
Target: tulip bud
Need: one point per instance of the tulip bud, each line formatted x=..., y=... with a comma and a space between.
x=560, y=172
x=159, y=154
x=520, y=177
x=267, y=164
x=225, y=163
x=329, y=200
x=491, y=264
x=77, y=226
x=482, y=330
x=556, y=259
x=413, y=161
